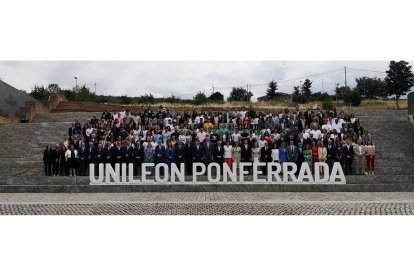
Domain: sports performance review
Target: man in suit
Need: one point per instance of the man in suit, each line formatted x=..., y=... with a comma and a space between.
x=265, y=156
x=91, y=155
x=292, y=152
x=71, y=131
x=180, y=153
x=159, y=153
x=308, y=117
x=198, y=152
x=246, y=153
x=83, y=155
x=208, y=151
x=348, y=155
x=331, y=155
x=219, y=154
x=189, y=157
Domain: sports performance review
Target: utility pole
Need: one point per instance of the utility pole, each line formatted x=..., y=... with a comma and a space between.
x=213, y=88
x=95, y=88
x=345, y=77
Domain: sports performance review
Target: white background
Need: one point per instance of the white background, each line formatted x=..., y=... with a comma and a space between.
x=205, y=30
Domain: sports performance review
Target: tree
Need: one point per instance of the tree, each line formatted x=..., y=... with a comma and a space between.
x=297, y=96
x=341, y=90
x=352, y=97
x=40, y=93
x=216, y=97
x=399, y=79
x=306, y=88
x=200, y=98
x=371, y=87
x=271, y=91
x=240, y=94
x=53, y=88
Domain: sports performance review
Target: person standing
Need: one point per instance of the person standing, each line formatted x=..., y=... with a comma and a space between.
x=55, y=160
x=292, y=152
x=170, y=156
x=322, y=155
x=48, y=159
x=246, y=154
x=370, y=157
x=315, y=155
x=307, y=155
x=348, y=155
x=265, y=156
x=219, y=154
x=331, y=155
x=189, y=157
x=236, y=154
x=256, y=152
x=138, y=157
x=72, y=157
x=359, y=155
x=208, y=151
x=228, y=153
x=283, y=153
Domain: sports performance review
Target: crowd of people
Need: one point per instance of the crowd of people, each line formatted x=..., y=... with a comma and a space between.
x=228, y=138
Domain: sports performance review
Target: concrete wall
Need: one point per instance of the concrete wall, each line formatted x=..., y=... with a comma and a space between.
x=410, y=98
x=11, y=99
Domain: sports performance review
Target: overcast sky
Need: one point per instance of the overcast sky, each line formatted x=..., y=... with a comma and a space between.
x=184, y=78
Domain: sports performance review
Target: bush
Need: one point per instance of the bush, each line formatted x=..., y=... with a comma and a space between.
x=200, y=98
x=327, y=103
x=352, y=98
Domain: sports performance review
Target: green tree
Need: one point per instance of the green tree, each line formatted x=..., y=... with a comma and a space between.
x=216, y=97
x=40, y=93
x=399, y=79
x=352, y=97
x=240, y=94
x=297, y=96
x=371, y=87
x=200, y=98
x=53, y=88
x=271, y=91
x=306, y=88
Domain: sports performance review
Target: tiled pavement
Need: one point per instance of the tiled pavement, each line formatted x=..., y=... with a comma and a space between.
x=208, y=204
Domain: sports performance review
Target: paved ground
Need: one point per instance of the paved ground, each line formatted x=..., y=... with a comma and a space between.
x=208, y=204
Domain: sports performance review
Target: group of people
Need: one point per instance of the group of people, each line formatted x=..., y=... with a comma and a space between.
x=226, y=138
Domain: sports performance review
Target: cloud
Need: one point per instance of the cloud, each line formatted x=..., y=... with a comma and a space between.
x=182, y=78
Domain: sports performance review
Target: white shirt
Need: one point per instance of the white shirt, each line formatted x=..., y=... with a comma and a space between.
x=89, y=131
x=315, y=133
x=275, y=154
x=235, y=137
x=227, y=151
x=68, y=154
x=182, y=138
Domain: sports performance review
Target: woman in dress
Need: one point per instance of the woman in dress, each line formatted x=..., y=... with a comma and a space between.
x=275, y=153
x=256, y=152
x=72, y=157
x=236, y=154
x=315, y=157
x=228, y=148
x=370, y=156
x=170, y=154
x=307, y=155
x=283, y=153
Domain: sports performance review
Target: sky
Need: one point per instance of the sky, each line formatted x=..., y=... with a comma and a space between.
x=185, y=78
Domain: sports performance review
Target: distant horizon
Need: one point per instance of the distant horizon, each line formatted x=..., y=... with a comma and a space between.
x=185, y=78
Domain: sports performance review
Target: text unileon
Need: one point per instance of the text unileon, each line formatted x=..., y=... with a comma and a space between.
x=121, y=174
